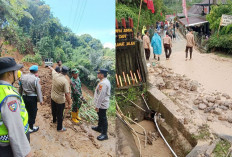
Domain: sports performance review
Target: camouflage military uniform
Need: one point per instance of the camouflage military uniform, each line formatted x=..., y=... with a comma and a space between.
x=76, y=94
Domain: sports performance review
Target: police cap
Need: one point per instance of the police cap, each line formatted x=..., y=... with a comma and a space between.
x=102, y=71
x=8, y=64
x=64, y=69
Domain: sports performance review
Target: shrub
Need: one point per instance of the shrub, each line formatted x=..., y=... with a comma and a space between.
x=33, y=59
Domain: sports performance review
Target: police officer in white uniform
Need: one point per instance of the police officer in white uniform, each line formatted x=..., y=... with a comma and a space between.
x=102, y=100
x=14, y=135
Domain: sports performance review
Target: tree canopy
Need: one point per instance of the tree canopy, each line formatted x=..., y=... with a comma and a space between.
x=30, y=26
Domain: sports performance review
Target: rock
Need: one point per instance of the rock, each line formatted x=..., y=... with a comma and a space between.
x=210, y=104
x=176, y=86
x=217, y=111
x=205, y=101
x=168, y=85
x=227, y=103
x=218, y=97
x=229, y=119
x=219, y=102
x=210, y=99
x=202, y=106
x=226, y=96
x=160, y=82
x=222, y=118
x=209, y=109
x=186, y=120
x=223, y=107
x=210, y=118
x=194, y=85
x=196, y=102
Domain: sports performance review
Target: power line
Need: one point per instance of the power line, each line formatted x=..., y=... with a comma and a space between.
x=76, y=13
x=82, y=14
x=70, y=15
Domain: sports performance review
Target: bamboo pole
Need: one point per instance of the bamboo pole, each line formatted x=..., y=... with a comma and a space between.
x=132, y=77
x=139, y=16
x=135, y=78
x=140, y=79
x=124, y=78
x=117, y=79
x=120, y=81
x=128, y=79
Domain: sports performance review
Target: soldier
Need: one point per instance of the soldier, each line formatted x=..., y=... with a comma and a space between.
x=76, y=95
x=102, y=100
x=14, y=135
x=30, y=89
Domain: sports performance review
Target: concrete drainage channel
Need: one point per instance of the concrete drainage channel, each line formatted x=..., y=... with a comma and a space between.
x=177, y=140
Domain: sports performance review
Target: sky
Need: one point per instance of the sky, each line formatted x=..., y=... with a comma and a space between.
x=94, y=17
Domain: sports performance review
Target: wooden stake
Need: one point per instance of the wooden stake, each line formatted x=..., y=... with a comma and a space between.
x=117, y=79
x=140, y=79
x=135, y=78
x=128, y=79
x=132, y=77
x=124, y=78
x=120, y=81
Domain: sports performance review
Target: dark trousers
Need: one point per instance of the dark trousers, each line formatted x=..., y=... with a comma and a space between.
x=7, y=150
x=102, y=121
x=147, y=53
x=58, y=114
x=31, y=106
x=191, y=50
x=168, y=50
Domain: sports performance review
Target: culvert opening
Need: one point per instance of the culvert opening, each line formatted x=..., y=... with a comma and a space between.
x=132, y=105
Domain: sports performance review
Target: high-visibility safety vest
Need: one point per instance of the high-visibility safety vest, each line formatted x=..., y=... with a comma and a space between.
x=5, y=92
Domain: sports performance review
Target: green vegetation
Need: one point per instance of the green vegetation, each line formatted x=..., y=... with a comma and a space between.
x=175, y=6
x=130, y=8
x=203, y=133
x=30, y=26
x=221, y=149
x=220, y=41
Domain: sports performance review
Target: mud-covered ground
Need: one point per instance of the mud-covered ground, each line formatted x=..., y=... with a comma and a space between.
x=79, y=139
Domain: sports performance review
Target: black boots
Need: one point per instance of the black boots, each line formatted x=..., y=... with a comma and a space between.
x=95, y=128
x=102, y=137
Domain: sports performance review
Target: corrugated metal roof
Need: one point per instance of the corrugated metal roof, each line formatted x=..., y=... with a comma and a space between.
x=193, y=21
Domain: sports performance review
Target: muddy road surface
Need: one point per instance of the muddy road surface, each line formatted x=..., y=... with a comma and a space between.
x=79, y=139
x=212, y=71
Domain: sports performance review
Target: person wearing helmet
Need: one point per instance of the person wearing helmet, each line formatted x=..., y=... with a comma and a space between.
x=76, y=95
x=14, y=134
x=30, y=89
x=60, y=92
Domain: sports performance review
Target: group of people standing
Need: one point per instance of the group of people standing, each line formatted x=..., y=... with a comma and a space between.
x=154, y=40
x=18, y=110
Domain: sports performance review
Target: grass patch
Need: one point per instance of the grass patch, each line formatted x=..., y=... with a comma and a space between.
x=223, y=55
x=221, y=149
x=203, y=133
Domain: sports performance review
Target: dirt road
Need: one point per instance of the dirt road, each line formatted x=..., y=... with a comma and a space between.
x=212, y=71
x=79, y=140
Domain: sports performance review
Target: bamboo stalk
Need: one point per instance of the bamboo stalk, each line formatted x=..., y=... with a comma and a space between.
x=135, y=78
x=128, y=79
x=124, y=78
x=140, y=79
x=139, y=16
x=120, y=79
x=132, y=77
x=117, y=79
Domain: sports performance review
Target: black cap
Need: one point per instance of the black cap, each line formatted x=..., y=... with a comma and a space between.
x=102, y=71
x=64, y=69
x=8, y=64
